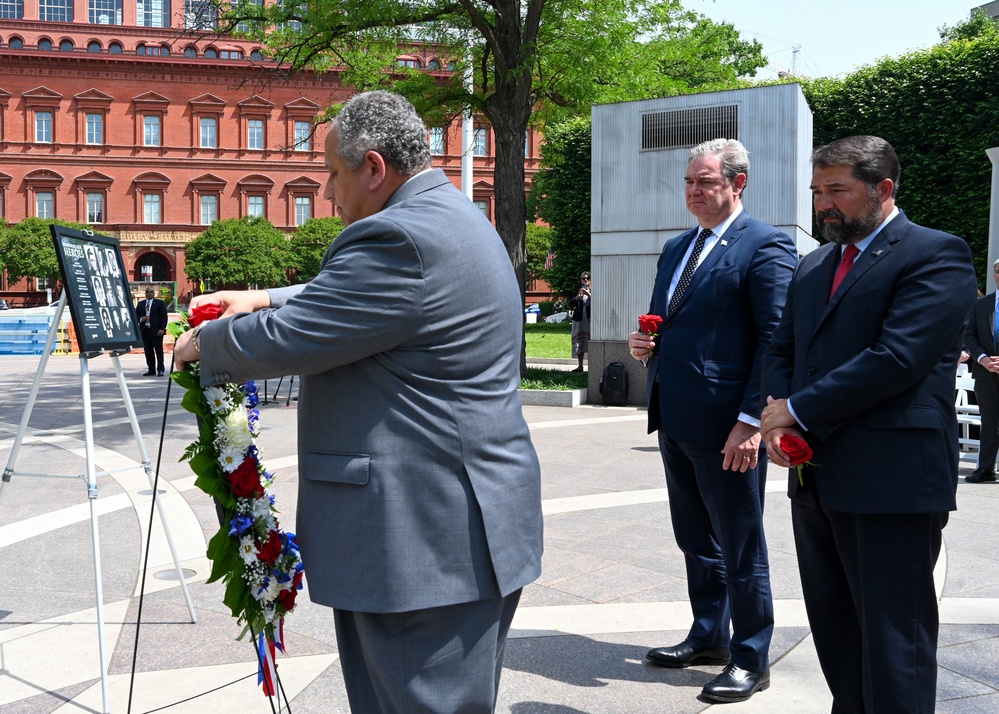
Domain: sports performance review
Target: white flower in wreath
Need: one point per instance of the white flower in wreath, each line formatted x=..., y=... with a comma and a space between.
x=234, y=430
x=231, y=458
x=267, y=590
x=261, y=509
x=218, y=399
x=248, y=549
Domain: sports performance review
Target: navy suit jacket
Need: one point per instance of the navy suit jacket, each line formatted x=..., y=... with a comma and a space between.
x=870, y=372
x=708, y=355
x=157, y=314
x=978, y=337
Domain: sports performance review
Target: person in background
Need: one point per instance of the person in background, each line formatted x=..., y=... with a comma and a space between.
x=981, y=344
x=152, y=314
x=580, y=305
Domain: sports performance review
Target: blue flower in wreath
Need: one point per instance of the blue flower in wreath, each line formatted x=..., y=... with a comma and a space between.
x=240, y=524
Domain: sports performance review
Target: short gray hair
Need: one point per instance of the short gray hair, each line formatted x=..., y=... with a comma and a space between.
x=732, y=154
x=387, y=124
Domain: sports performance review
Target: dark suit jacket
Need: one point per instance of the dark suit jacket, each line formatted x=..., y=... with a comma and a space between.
x=978, y=336
x=419, y=486
x=870, y=373
x=157, y=314
x=708, y=353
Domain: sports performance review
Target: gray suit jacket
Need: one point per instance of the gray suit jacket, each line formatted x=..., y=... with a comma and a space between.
x=419, y=485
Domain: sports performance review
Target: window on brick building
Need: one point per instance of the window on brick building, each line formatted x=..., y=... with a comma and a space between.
x=190, y=51
x=255, y=206
x=104, y=12
x=209, y=133
x=437, y=141
x=12, y=9
x=151, y=205
x=231, y=54
x=95, y=207
x=482, y=206
x=209, y=209
x=211, y=53
x=66, y=46
x=255, y=134
x=43, y=127
x=303, y=209
x=16, y=43
x=252, y=6
x=200, y=15
x=95, y=128
x=410, y=63
x=45, y=204
x=434, y=64
x=151, y=130
x=152, y=50
x=256, y=55
x=295, y=25
x=479, y=147
x=303, y=136
x=94, y=46
x=114, y=48
x=55, y=10
x=153, y=13
x=45, y=43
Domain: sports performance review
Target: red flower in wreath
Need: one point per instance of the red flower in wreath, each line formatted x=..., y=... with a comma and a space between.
x=203, y=313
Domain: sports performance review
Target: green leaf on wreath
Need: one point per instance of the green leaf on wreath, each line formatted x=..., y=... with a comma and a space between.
x=195, y=403
x=236, y=591
x=185, y=379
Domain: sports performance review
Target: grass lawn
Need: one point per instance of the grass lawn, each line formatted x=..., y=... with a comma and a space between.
x=549, y=340
x=554, y=379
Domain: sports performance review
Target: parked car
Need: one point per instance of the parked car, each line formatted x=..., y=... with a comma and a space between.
x=536, y=309
x=557, y=317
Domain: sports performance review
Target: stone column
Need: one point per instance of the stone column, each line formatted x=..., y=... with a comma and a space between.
x=993, y=155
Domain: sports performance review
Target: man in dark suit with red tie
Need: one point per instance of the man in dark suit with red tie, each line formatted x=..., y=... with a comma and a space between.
x=720, y=289
x=981, y=344
x=862, y=366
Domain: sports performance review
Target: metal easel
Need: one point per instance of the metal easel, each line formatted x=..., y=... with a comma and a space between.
x=91, y=474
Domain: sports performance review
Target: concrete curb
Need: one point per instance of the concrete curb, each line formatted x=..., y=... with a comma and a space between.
x=552, y=397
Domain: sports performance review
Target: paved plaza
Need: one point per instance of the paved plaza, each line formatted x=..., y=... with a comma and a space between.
x=612, y=584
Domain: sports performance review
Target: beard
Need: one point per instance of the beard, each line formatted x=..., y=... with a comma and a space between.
x=851, y=230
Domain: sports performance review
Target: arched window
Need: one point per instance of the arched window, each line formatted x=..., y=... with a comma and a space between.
x=66, y=46
x=211, y=53
x=44, y=43
x=114, y=48
x=94, y=46
x=16, y=43
x=157, y=268
x=434, y=64
x=190, y=51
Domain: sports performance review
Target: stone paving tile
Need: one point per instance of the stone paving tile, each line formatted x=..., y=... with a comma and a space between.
x=612, y=583
x=971, y=576
x=541, y=596
x=974, y=659
x=47, y=702
x=558, y=565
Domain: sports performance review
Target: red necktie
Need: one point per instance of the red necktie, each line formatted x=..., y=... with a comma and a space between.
x=845, y=263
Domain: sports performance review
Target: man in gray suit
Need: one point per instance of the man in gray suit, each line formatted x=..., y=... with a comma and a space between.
x=419, y=509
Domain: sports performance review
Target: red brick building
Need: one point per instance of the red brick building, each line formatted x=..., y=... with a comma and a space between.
x=113, y=114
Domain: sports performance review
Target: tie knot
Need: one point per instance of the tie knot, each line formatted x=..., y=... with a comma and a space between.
x=850, y=252
x=704, y=234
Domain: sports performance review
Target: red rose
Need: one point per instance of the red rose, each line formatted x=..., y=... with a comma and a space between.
x=287, y=599
x=297, y=582
x=649, y=324
x=797, y=449
x=245, y=480
x=271, y=550
x=204, y=313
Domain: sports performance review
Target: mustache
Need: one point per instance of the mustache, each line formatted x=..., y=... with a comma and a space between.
x=831, y=213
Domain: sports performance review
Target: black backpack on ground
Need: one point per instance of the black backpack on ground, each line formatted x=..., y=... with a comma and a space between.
x=614, y=385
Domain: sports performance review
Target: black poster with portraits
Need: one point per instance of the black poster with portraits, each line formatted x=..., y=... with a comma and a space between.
x=97, y=291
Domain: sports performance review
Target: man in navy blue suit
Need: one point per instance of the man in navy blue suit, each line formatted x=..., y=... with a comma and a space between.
x=862, y=366
x=720, y=290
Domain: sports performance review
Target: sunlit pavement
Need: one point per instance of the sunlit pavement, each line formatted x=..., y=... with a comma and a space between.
x=612, y=584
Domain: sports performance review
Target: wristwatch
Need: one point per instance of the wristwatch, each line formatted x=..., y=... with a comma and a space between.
x=196, y=338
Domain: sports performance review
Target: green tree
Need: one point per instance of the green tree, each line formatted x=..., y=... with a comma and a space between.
x=310, y=243
x=27, y=251
x=555, y=56
x=560, y=195
x=939, y=109
x=539, y=242
x=239, y=253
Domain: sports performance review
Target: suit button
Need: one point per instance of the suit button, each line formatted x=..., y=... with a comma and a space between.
x=810, y=371
x=667, y=325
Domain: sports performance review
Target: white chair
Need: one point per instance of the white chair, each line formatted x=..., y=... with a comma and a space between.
x=967, y=416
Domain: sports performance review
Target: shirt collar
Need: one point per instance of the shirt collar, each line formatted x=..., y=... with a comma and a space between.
x=720, y=229
x=862, y=244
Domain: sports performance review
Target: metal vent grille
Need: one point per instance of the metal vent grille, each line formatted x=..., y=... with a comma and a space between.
x=685, y=128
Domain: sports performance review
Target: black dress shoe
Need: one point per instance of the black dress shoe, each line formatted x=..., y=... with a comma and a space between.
x=684, y=655
x=981, y=476
x=150, y=373
x=735, y=684
x=160, y=373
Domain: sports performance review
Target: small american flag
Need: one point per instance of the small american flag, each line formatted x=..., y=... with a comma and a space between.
x=549, y=260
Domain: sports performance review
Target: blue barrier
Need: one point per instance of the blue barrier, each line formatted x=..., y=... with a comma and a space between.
x=24, y=335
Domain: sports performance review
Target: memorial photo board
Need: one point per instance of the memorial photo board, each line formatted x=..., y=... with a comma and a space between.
x=97, y=291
